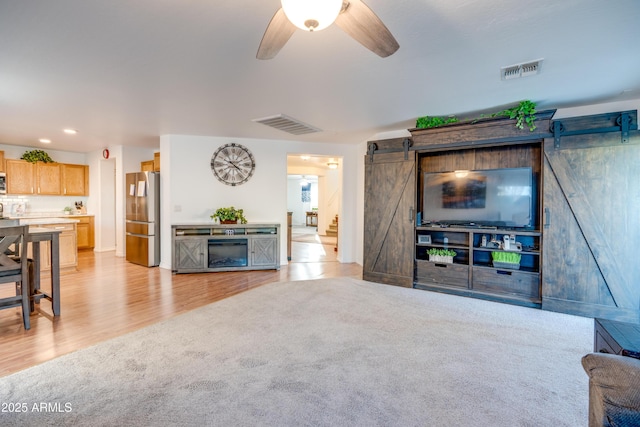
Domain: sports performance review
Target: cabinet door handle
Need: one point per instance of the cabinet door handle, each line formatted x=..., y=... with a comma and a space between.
x=411, y=214
x=547, y=214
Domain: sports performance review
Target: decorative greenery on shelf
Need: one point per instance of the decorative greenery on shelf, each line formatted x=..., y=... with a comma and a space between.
x=67, y=209
x=229, y=214
x=508, y=257
x=36, y=156
x=524, y=112
x=441, y=252
x=427, y=122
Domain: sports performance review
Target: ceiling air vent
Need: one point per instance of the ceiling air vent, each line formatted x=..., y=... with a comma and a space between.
x=287, y=124
x=520, y=70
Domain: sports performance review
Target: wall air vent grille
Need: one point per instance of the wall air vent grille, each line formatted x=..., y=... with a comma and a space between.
x=287, y=124
x=510, y=72
x=520, y=70
x=530, y=68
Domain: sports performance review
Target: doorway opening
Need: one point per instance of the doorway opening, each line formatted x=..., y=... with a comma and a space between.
x=314, y=191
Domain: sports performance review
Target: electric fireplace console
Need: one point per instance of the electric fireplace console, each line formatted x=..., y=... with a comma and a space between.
x=199, y=248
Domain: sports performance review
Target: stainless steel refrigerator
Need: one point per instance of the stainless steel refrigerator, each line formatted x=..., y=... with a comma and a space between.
x=143, y=218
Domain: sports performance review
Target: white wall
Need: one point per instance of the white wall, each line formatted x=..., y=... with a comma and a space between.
x=190, y=192
x=127, y=159
x=103, y=198
x=294, y=199
x=330, y=198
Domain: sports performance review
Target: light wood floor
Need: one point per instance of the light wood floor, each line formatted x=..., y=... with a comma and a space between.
x=107, y=297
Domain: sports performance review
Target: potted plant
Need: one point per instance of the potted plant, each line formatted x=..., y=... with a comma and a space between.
x=441, y=255
x=37, y=156
x=229, y=215
x=67, y=210
x=510, y=260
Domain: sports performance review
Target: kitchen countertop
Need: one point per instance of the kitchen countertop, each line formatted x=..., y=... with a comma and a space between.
x=44, y=215
x=50, y=220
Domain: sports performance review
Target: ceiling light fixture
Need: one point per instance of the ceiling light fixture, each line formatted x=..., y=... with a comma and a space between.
x=70, y=131
x=45, y=140
x=312, y=15
x=332, y=165
x=305, y=158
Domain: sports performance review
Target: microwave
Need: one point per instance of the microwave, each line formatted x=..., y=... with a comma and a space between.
x=3, y=183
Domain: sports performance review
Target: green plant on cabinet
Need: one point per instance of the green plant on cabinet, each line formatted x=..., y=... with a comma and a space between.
x=506, y=257
x=523, y=113
x=442, y=252
x=229, y=214
x=37, y=156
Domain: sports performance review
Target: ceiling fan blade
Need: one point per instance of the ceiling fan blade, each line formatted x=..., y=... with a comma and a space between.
x=365, y=27
x=276, y=35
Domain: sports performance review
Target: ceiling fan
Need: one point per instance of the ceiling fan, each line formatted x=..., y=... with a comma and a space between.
x=352, y=16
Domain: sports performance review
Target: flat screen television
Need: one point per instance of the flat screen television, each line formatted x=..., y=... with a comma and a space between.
x=492, y=197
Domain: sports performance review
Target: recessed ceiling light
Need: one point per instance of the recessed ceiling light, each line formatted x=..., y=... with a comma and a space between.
x=45, y=140
x=70, y=131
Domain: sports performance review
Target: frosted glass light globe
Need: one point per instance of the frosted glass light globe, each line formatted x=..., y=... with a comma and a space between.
x=311, y=15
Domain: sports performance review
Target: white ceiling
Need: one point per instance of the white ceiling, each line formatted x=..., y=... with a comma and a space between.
x=125, y=72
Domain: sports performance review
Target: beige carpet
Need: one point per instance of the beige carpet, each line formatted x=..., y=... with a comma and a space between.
x=333, y=352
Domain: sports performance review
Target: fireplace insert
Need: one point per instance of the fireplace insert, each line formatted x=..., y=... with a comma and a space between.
x=227, y=253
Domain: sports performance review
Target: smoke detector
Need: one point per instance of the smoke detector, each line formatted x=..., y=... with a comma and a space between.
x=287, y=124
x=523, y=69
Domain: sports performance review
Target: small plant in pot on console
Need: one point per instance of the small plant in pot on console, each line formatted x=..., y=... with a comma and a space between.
x=441, y=255
x=229, y=215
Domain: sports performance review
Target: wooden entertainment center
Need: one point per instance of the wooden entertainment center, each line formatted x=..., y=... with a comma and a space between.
x=199, y=248
x=568, y=262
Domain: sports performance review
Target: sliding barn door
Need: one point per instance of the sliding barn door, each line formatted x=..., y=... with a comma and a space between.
x=592, y=226
x=389, y=215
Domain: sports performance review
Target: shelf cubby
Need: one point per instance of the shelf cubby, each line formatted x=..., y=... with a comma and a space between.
x=472, y=270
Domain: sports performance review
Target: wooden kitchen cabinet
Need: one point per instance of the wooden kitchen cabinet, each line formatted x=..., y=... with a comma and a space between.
x=85, y=232
x=48, y=178
x=68, y=247
x=2, y=161
x=151, y=165
x=20, y=176
x=75, y=180
x=146, y=166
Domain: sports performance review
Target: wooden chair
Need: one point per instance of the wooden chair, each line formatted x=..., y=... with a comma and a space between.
x=15, y=269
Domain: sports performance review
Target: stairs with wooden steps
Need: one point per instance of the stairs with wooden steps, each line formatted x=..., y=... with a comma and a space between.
x=333, y=228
